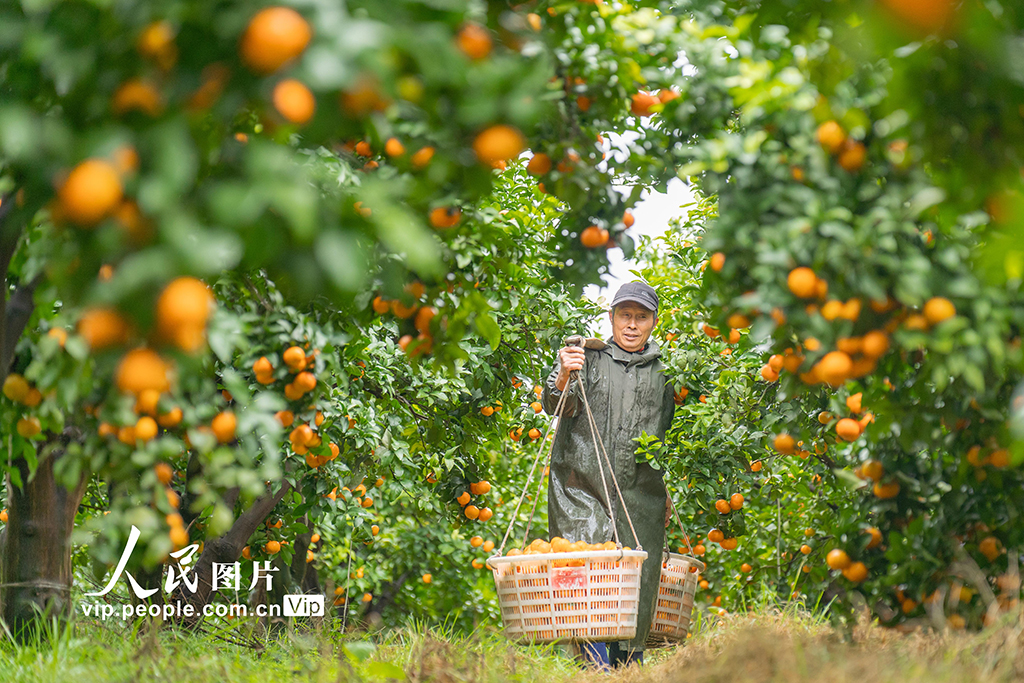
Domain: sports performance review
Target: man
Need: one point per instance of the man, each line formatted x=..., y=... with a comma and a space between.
x=628, y=394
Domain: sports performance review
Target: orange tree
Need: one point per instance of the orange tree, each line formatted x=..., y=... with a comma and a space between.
x=845, y=240
x=318, y=148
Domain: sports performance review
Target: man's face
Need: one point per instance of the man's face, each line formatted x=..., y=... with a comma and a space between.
x=631, y=325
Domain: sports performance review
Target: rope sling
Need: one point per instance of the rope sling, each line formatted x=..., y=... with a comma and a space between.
x=599, y=449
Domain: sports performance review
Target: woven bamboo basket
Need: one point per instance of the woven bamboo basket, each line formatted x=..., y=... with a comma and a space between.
x=545, y=600
x=676, y=590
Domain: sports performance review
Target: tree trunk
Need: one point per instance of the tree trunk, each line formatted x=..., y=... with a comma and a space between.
x=225, y=549
x=36, y=572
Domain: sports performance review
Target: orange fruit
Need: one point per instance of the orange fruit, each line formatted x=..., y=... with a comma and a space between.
x=802, y=282
x=262, y=366
x=831, y=136
x=294, y=101
x=472, y=511
x=285, y=417
x=422, y=157
x=756, y=466
x=463, y=498
x=539, y=164
x=640, y=103
x=716, y=536
x=785, y=444
x=716, y=263
x=872, y=470
x=999, y=458
x=593, y=237
x=769, y=373
x=874, y=344
x=274, y=37
x=853, y=402
x=16, y=387
x=474, y=40
x=534, y=433
x=489, y=545
x=856, y=572
x=498, y=143
x=305, y=381
x=394, y=148
x=487, y=411
x=301, y=435
x=182, y=311
x=746, y=568
x=367, y=502
x=848, y=429
x=710, y=331
x=805, y=549
x=142, y=369
x=930, y=16
x=170, y=419
x=837, y=559
x=476, y=541
x=427, y=578
x=722, y=506
x=90, y=193
x=534, y=21
x=444, y=217
x=137, y=95
x=876, y=537
x=381, y=305
x=374, y=530
x=145, y=428
x=736, y=501
x=163, y=473
x=272, y=547
x=938, y=309
x=628, y=219
x=834, y=368
x=729, y=544
x=224, y=425
x=29, y=426
x=886, y=491
x=295, y=358
x=363, y=149
x=367, y=597
x=989, y=547
x=852, y=156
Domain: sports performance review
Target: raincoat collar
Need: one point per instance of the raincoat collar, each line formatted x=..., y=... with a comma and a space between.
x=650, y=352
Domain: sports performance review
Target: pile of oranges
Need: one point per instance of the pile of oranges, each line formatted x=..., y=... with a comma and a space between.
x=560, y=545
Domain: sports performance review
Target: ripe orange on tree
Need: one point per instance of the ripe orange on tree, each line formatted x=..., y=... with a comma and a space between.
x=444, y=217
x=837, y=559
x=480, y=488
x=476, y=541
x=722, y=506
x=136, y=94
x=394, y=148
x=472, y=511
x=802, y=282
x=182, y=311
x=736, y=501
x=831, y=136
x=592, y=237
x=856, y=572
x=272, y=547
x=485, y=514
x=224, y=426
x=294, y=101
x=274, y=37
x=785, y=444
x=938, y=309
x=498, y=143
x=28, y=427
x=852, y=156
x=848, y=429
x=628, y=219
x=640, y=103
x=140, y=370
x=91, y=192
x=729, y=543
x=539, y=164
x=474, y=40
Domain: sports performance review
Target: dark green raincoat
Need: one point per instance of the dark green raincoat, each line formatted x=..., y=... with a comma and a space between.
x=628, y=394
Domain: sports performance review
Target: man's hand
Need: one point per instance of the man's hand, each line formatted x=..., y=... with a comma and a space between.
x=571, y=358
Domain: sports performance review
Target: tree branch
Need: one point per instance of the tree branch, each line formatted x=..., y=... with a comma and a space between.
x=16, y=316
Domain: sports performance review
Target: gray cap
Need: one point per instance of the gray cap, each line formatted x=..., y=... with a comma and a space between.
x=638, y=292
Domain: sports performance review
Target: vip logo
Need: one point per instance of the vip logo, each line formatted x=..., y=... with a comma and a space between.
x=304, y=605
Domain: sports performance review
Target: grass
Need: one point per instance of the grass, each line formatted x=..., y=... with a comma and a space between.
x=769, y=644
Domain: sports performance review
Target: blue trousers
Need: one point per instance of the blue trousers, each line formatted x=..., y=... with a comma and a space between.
x=608, y=655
